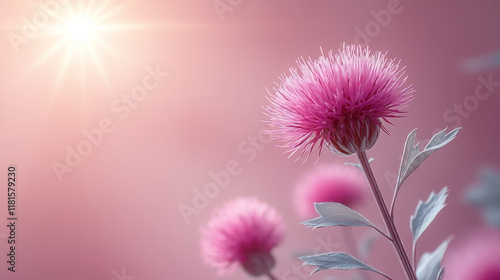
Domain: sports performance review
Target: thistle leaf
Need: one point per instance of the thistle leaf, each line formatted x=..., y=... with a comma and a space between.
x=426, y=212
x=366, y=243
x=429, y=267
x=413, y=157
x=487, y=196
x=337, y=214
x=441, y=274
x=492, y=215
x=337, y=260
x=357, y=165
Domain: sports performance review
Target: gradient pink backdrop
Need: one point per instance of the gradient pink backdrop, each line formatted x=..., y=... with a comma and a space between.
x=120, y=207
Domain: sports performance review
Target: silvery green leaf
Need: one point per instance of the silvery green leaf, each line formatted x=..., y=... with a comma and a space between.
x=429, y=266
x=413, y=157
x=425, y=213
x=492, y=215
x=359, y=277
x=441, y=274
x=337, y=260
x=487, y=196
x=358, y=165
x=487, y=192
x=366, y=243
x=337, y=214
x=484, y=62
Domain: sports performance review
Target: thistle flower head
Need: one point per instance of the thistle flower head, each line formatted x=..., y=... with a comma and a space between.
x=339, y=101
x=477, y=257
x=242, y=232
x=333, y=183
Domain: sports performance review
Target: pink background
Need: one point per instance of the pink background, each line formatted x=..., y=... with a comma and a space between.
x=119, y=208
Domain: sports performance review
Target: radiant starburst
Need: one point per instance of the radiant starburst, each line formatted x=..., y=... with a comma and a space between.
x=80, y=28
x=78, y=33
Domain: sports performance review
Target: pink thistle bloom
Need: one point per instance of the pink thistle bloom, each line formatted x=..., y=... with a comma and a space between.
x=476, y=258
x=338, y=100
x=333, y=183
x=242, y=232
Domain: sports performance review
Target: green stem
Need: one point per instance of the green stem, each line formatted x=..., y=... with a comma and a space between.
x=389, y=222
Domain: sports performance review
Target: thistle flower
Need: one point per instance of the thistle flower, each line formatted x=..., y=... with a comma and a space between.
x=243, y=232
x=337, y=100
x=476, y=258
x=331, y=183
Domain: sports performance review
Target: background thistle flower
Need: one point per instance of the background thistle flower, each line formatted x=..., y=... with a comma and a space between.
x=338, y=100
x=329, y=183
x=476, y=257
x=243, y=232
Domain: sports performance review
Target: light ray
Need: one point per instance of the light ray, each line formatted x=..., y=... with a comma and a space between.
x=113, y=51
x=61, y=44
x=64, y=66
x=97, y=62
x=80, y=29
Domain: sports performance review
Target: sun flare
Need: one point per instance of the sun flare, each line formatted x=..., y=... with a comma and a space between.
x=80, y=42
x=80, y=28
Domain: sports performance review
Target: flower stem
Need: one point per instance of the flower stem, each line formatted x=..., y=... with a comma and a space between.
x=271, y=276
x=389, y=222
